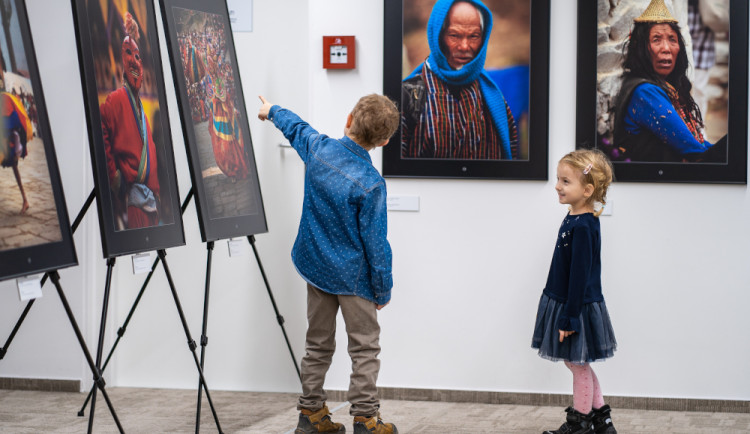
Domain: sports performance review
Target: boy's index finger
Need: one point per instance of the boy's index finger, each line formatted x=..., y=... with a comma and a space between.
x=263, y=100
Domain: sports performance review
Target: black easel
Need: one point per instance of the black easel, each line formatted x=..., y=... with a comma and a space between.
x=191, y=343
x=123, y=328
x=204, y=337
x=55, y=277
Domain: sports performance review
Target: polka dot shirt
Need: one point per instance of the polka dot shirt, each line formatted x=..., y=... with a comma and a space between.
x=341, y=246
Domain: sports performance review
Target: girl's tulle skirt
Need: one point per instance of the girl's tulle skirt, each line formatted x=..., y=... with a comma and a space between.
x=596, y=340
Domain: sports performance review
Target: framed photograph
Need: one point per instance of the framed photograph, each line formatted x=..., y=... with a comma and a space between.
x=129, y=133
x=662, y=88
x=473, y=99
x=214, y=118
x=35, y=232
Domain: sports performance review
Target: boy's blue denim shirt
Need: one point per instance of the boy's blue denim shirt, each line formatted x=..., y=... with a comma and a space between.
x=341, y=245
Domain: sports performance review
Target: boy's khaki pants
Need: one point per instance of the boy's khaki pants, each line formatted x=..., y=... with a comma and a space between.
x=362, y=328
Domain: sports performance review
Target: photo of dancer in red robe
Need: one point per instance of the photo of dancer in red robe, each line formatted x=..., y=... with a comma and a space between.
x=224, y=127
x=128, y=143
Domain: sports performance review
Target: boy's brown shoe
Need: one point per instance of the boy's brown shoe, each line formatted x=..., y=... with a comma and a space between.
x=313, y=422
x=374, y=424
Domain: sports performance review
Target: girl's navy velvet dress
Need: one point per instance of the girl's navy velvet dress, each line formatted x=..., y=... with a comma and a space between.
x=572, y=298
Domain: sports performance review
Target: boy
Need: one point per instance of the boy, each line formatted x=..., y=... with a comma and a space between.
x=342, y=252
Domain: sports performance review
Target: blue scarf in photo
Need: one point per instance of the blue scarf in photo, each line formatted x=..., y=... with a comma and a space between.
x=474, y=70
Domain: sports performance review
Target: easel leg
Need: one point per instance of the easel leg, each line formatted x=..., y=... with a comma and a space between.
x=279, y=318
x=204, y=337
x=98, y=380
x=191, y=342
x=4, y=349
x=102, y=324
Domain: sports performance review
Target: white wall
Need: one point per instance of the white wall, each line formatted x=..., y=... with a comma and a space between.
x=468, y=268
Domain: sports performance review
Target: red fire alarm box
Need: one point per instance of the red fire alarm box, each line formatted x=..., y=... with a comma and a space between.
x=338, y=52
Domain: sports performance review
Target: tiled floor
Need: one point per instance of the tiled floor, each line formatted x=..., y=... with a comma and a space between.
x=173, y=411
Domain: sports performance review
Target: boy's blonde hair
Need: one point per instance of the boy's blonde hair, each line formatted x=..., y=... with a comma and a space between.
x=374, y=120
x=594, y=168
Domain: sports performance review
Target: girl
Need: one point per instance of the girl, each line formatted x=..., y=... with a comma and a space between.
x=572, y=322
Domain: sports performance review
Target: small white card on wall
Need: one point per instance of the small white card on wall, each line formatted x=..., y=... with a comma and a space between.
x=237, y=247
x=29, y=287
x=241, y=15
x=141, y=263
x=402, y=203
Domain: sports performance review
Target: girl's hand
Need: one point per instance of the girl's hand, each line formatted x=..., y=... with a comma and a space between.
x=565, y=333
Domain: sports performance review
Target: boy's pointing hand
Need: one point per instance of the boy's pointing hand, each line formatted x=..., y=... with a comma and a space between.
x=264, y=109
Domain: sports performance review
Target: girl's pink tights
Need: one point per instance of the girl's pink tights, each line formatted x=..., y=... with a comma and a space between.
x=586, y=391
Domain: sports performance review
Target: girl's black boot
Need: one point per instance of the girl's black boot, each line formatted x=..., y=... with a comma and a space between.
x=602, y=421
x=575, y=423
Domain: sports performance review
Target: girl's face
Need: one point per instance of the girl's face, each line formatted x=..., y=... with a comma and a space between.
x=571, y=190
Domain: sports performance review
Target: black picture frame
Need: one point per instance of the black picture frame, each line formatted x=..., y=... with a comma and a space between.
x=100, y=78
x=43, y=238
x=732, y=171
x=533, y=167
x=224, y=173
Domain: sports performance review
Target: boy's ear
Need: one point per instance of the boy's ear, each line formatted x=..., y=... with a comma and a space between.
x=349, y=121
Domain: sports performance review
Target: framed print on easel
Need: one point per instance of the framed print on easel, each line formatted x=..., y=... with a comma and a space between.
x=676, y=115
x=214, y=118
x=129, y=131
x=475, y=111
x=35, y=231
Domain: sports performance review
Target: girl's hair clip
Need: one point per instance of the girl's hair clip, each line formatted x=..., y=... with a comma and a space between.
x=587, y=169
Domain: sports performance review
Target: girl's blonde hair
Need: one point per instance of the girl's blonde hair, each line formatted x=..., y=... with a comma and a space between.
x=594, y=168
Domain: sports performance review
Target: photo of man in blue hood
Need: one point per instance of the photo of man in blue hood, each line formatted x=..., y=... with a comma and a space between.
x=451, y=106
